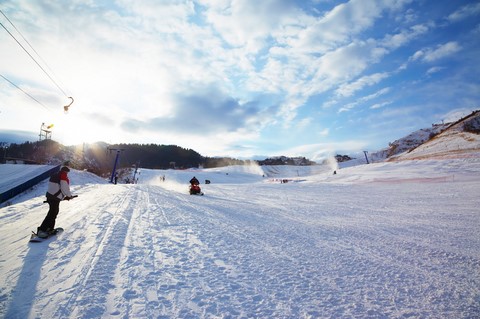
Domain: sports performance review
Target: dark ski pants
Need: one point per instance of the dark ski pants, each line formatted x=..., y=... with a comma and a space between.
x=49, y=221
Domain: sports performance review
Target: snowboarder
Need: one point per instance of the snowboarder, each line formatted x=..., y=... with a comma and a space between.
x=58, y=190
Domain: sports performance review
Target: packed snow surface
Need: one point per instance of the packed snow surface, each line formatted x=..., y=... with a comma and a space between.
x=12, y=175
x=385, y=240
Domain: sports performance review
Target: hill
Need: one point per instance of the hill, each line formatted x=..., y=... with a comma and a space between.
x=459, y=140
x=449, y=140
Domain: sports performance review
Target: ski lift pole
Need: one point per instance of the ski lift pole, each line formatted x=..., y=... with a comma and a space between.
x=117, y=157
x=366, y=157
x=135, y=172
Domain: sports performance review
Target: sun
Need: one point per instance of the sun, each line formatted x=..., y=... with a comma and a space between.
x=73, y=130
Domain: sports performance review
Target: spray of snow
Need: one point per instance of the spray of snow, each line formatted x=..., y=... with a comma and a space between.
x=332, y=163
x=252, y=168
x=174, y=186
x=158, y=178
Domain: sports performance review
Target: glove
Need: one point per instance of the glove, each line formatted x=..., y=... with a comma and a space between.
x=67, y=198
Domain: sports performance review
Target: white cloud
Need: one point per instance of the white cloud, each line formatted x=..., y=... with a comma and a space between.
x=324, y=132
x=464, y=12
x=235, y=67
x=380, y=105
x=364, y=99
x=294, y=67
x=400, y=39
x=349, y=89
x=344, y=64
x=376, y=94
x=247, y=24
x=440, y=52
x=434, y=69
x=347, y=107
x=304, y=123
x=338, y=26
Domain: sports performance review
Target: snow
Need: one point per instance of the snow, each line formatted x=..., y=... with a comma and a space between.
x=442, y=141
x=385, y=240
x=12, y=175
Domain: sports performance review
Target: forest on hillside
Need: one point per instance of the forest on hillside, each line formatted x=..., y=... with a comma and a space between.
x=99, y=158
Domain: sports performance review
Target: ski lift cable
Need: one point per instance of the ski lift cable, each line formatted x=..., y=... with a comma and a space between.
x=31, y=47
x=25, y=92
x=48, y=75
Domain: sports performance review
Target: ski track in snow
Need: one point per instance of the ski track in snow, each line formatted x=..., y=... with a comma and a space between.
x=374, y=249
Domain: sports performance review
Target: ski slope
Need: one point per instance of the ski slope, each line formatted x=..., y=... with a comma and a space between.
x=12, y=175
x=386, y=240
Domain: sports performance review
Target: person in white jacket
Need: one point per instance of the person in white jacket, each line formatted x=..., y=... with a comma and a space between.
x=58, y=190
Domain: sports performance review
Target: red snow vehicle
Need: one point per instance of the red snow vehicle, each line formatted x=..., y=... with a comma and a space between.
x=195, y=189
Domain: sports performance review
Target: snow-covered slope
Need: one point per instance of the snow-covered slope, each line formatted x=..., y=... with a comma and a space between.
x=386, y=240
x=451, y=140
x=12, y=175
x=409, y=142
x=455, y=142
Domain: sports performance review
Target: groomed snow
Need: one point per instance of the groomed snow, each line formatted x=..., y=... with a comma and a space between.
x=386, y=240
x=12, y=175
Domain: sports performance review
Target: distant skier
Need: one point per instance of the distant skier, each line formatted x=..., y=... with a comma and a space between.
x=58, y=190
x=194, y=181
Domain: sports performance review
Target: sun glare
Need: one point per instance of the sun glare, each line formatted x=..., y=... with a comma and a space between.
x=70, y=130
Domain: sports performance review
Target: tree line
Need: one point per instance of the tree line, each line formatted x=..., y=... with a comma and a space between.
x=99, y=157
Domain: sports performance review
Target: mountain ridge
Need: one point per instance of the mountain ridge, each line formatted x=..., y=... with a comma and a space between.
x=459, y=139
x=447, y=140
x=455, y=139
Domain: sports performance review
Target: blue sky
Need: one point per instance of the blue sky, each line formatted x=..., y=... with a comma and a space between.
x=233, y=78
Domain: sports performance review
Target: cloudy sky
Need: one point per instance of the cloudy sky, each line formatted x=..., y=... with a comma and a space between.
x=240, y=78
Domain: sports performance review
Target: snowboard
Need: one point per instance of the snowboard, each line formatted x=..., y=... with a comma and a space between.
x=35, y=239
